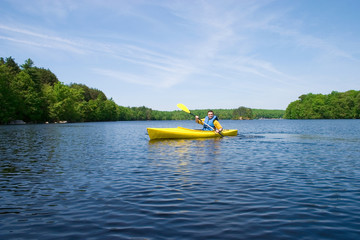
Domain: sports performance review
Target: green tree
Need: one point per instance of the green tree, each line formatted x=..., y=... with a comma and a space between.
x=28, y=98
x=110, y=110
x=356, y=109
x=124, y=113
x=12, y=65
x=45, y=76
x=28, y=64
x=66, y=104
x=89, y=93
x=242, y=113
x=7, y=95
x=337, y=105
x=293, y=110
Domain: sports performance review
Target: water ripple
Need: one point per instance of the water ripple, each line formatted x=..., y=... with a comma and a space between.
x=275, y=180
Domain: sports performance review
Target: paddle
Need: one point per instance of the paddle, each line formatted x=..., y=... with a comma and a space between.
x=185, y=109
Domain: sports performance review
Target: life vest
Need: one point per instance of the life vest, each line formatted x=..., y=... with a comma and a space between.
x=209, y=122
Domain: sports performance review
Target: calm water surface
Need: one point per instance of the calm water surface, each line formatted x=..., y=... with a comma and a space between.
x=278, y=179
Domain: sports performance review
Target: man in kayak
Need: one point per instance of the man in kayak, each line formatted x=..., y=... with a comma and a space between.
x=210, y=122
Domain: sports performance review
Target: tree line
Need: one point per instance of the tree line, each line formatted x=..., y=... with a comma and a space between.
x=336, y=105
x=35, y=95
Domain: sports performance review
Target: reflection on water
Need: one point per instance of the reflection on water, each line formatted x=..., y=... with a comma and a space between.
x=181, y=149
x=185, y=157
x=179, y=146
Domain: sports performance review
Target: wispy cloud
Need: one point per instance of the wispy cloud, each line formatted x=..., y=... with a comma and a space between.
x=311, y=41
x=34, y=38
x=222, y=35
x=161, y=67
x=218, y=35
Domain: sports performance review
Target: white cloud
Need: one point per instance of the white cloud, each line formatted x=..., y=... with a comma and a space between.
x=34, y=38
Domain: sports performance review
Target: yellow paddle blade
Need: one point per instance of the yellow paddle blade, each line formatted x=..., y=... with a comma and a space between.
x=183, y=107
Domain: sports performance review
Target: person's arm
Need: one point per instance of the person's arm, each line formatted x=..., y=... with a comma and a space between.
x=197, y=120
x=218, y=126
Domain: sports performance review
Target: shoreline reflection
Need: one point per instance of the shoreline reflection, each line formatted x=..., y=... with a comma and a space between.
x=183, y=154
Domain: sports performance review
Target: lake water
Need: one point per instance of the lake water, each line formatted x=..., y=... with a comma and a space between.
x=278, y=179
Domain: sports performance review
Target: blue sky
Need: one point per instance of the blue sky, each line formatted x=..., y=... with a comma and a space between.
x=205, y=54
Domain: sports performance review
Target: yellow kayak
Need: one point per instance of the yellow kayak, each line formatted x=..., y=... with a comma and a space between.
x=180, y=132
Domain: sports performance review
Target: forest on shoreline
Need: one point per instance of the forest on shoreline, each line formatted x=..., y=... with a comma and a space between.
x=336, y=105
x=35, y=95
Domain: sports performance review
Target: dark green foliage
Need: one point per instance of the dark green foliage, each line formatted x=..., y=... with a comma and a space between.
x=242, y=113
x=89, y=93
x=7, y=94
x=39, y=75
x=35, y=95
x=12, y=65
x=337, y=105
x=28, y=98
x=45, y=76
x=65, y=103
x=21, y=96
